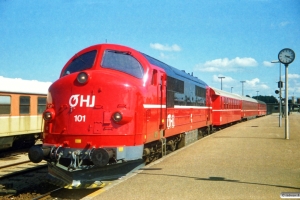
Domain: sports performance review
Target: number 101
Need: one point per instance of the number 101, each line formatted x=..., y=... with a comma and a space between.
x=79, y=118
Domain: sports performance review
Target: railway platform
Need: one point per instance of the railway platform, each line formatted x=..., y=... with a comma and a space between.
x=250, y=160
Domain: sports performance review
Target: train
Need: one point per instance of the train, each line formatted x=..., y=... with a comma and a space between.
x=22, y=103
x=114, y=108
x=229, y=108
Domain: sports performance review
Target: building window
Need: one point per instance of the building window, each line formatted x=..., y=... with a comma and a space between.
x=5, y=104
x=24, y=105
x=41, y=104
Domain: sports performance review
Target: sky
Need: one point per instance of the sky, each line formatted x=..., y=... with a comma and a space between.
x=234, y=39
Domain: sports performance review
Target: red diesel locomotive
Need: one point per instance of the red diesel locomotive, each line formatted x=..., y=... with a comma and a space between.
x=114, y=108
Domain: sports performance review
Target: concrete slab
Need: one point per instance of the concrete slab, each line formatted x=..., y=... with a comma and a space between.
x=250, y=160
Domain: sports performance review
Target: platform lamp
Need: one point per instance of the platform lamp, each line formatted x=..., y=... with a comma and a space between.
x=280, y=86
x=221, y=80
x=286, y=56
x=257, y=95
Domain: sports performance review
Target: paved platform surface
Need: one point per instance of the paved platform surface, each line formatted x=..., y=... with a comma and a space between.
x=250, y=160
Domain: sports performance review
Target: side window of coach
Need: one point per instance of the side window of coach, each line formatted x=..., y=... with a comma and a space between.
x=24, y=104
x=122, y=61
x=41, y=104
x=5, y=104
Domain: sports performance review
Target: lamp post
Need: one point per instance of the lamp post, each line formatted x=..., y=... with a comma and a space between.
x=221, y=80
x=243, y=87
x=279, y=85
x=257, y=95
x=231, y=89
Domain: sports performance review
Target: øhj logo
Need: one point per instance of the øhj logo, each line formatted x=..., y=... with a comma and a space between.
x=77, y=98
x=170, y=121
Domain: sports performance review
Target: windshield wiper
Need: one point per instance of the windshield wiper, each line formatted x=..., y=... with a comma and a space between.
x=121, y=52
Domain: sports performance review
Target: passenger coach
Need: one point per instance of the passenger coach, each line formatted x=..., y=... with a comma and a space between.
x=252, y=108
x=21, y=111
x=226, y=107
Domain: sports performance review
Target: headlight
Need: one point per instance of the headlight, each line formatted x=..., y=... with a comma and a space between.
x=49, y=114
x=117, y=117
x=82, y=77
x=122, y=117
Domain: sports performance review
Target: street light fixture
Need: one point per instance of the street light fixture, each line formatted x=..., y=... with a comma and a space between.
x=221, y=80
x=231, y=89
x=257, y=95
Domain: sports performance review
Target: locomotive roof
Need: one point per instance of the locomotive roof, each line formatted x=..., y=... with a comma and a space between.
x=17, y=85
x=173, y=72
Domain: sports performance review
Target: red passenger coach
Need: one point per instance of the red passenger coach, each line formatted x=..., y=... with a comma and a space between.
x=262, y=108
x=226, y=107
x=250, y=108
x=113, y=108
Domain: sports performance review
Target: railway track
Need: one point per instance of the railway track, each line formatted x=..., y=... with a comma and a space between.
x=22, y=179
x=16, y=164
x=17, y=173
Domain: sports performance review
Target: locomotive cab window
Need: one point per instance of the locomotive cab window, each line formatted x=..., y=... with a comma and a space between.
x=5, y=104
x=122, y=61
x=80, y=63
x=24, y=104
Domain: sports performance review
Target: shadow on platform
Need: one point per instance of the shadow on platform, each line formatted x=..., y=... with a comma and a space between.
x=212, y=178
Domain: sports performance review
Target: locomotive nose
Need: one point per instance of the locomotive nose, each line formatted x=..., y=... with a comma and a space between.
x=37, y=153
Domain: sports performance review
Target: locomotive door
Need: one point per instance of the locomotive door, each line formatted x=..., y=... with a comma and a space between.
x=156, y=110
x=162, y=100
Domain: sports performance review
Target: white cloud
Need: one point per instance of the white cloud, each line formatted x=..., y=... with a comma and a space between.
x=227, y=79
x=162, y=47
x=294, y=76
x=221, y=65
x=23, y=86
x=283, y=24
x=264, y=86
x=268, y=64
x=255, y=84
x=164, y=56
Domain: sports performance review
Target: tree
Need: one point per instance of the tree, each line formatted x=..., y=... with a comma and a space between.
x=266, y=99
